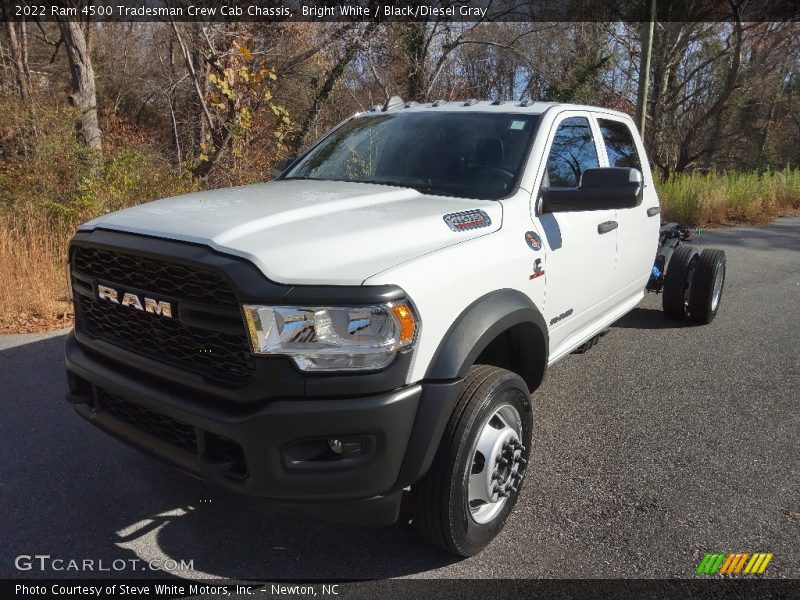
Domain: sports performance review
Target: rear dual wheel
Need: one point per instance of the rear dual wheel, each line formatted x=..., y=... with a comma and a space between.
x=693, y=284
x=709, y=280
x=473, y=484
x=678, y=282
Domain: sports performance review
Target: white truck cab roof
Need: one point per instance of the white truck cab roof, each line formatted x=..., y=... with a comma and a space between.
x=490, y=106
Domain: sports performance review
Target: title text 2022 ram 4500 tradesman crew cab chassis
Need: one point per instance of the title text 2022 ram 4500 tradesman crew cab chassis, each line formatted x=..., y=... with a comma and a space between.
x=368, y=327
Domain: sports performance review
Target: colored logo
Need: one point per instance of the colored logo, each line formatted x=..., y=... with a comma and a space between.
x=734, y=563
x=533, y=240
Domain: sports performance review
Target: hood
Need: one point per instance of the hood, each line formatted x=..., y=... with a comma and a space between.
x=308, y=232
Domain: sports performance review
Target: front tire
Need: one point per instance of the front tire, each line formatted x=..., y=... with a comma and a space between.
x=473, y=484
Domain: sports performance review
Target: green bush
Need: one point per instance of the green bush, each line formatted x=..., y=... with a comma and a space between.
x=126, y=178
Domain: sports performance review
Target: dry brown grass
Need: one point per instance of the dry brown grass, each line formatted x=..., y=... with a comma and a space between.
x=715, y=199
x=33, y=282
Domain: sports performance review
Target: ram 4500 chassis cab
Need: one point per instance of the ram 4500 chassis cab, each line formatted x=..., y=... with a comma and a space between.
x=365, y=331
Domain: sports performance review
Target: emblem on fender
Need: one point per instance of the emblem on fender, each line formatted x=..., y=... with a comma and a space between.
x=533, y=240
x=151, y=305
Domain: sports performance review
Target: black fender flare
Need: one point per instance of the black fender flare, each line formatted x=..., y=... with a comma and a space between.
x=479, y=324
x=468, y=336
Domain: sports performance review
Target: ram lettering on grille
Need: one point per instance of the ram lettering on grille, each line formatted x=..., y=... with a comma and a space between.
x=157, y=307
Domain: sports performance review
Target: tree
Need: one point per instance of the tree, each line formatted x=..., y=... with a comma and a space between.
x=83, y=95
x=19, y=58
x=354, y=43
x=233, y=89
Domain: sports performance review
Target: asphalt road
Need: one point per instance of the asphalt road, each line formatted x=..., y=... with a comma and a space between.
x=664, y=442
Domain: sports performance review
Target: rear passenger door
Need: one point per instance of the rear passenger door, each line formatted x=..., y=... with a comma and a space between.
x=638, y=230
x=580, y=259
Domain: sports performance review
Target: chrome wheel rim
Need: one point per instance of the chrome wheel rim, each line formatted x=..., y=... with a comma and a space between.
x=716, y=294
x=495, y=470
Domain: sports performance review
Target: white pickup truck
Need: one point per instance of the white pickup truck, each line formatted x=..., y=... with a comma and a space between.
x=365, y=331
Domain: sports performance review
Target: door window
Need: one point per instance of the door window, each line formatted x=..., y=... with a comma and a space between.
x=573, y=151
x=620, y=146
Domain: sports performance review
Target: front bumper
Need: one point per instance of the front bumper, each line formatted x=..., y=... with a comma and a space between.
x=277, y=449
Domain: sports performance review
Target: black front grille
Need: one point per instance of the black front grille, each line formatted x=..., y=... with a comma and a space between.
x=172, y=431
x=167, y=278
x=221, y=357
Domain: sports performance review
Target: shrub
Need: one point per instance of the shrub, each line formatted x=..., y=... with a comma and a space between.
x=731, y=197
x=48, y=185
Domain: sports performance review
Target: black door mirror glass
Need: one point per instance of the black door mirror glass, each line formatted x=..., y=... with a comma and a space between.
x=599, y=189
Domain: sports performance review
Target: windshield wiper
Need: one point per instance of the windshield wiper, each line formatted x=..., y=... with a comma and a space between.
x=421, y=188
x=418, y=187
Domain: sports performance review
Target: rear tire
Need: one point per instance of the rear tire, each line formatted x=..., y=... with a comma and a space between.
x=678, y=282
x=485, y=447
x=709, y=279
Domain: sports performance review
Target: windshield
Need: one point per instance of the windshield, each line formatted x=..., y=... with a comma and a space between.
x=471, y=155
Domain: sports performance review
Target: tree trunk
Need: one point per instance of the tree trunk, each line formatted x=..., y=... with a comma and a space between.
x=415, y=47
x=82, y=87
x=219, y=131
x=18, y=60
x=644, y=68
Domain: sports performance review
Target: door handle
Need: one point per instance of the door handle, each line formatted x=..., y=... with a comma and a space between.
x=607, y=226
x=653, y=211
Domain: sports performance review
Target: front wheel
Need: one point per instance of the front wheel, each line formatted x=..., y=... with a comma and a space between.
x=473, y=484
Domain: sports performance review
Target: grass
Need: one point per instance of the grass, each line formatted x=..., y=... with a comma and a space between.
x=33, y=280
x=34, y=238
x=49, y=184
x=713, y=199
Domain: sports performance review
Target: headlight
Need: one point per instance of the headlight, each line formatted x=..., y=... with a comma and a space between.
x=340, y=338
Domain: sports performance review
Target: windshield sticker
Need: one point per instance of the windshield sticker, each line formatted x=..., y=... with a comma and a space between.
x=518, y=125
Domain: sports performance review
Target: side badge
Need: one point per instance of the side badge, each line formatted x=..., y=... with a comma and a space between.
x=466, y=220
x=533, y=240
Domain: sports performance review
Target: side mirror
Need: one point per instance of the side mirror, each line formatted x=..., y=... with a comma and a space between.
x=282, y=165
x=599, y=189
